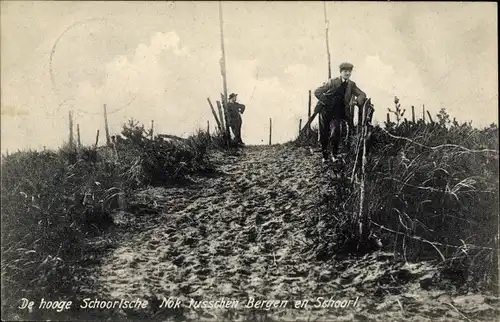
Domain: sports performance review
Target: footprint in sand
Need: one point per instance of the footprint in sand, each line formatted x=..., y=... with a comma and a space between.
x=231, y=236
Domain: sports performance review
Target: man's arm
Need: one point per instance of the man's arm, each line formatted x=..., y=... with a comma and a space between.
x=360, y=95
x=323, y=89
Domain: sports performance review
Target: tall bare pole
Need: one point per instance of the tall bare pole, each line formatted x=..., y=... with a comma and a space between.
x=327, y=42
x=223, y=69
x=311, y=117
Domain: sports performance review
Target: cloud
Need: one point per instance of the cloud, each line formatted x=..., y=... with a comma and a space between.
x=169, y=83
x=9, y=110
x=148, y=68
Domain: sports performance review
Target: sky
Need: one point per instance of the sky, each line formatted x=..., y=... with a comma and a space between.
x=160, y=61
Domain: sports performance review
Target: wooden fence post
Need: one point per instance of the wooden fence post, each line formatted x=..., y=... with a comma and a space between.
x=300, y=125
x=152, y=129
x=430, y=118
x=413, y=114
x=221, y=117
x=388, y=118
x=96, y=139
x=364, y=214
x=423, y=112
x=270, y=130
x=208, y=127
x=309, y=107
x=106, y=128
x=78, y=136
x=226, y=116
x=215, y=114
x=71, y=138
x=351, y=116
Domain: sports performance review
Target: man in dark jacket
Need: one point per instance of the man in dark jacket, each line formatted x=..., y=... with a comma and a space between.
x=334, y=97
x=235, y=110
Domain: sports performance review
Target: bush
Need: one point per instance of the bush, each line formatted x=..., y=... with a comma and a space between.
x=49, y=206
x=54, y=201
x=424, y=203
x=148, y=161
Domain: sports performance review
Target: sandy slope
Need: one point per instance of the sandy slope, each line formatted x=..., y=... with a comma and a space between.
x=239, y=234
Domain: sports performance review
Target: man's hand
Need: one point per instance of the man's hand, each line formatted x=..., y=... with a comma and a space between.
x=319, y=106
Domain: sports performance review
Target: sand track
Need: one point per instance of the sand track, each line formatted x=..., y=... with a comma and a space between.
x=237, y=234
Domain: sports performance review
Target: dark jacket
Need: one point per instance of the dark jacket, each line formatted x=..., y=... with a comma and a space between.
x=235, y=109
x=332, y=85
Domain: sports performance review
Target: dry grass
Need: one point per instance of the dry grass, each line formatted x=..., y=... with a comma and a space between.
x=54, y=201
x=432, y=194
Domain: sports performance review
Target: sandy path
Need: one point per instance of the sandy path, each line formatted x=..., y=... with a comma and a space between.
x=239, y=235
x=212, y=234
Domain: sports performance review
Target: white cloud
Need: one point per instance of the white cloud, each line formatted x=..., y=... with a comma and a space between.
x=414, y=51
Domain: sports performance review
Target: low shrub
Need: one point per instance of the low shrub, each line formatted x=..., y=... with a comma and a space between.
x=431, y=191
x=54, y=201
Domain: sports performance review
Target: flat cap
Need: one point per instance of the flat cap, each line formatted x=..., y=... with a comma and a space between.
x=346, y=66
x=232, y=95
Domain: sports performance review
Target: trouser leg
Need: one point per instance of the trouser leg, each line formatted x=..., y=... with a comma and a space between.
x=236, y=128
x=336, y=135
x=325, y=116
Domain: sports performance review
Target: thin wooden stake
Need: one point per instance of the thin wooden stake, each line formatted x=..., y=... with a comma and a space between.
x=208, y=127
x=71, y=138
x=221, y=117
x=430, y=118
x=327, y=42
x=215, y=114
x=388, y=118
x=413, y=114
x=364, y=216
x=78, y=136
x=359, y=147
x=96, y=139
x=309, y=106
x=152, y=129
x=300, y=125
x=106, y=128
x=423, y=112
x=270, y=130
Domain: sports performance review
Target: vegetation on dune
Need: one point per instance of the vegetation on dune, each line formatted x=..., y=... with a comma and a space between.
x=431, y=193
x=52, y=201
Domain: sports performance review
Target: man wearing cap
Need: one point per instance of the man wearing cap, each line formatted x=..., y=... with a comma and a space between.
x=235, y=110
x=334, y=97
